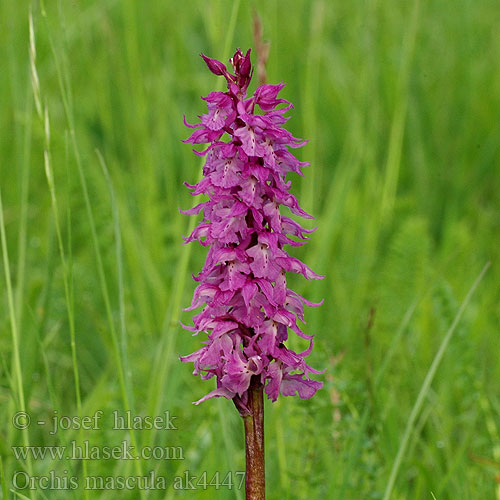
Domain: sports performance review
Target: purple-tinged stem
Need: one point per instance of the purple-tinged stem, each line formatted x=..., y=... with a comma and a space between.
x=255, y=485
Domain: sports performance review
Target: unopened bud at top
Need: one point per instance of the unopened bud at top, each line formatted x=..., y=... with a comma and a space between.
x=215, y=66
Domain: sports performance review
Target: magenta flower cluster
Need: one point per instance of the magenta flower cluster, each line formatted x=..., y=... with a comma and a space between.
x=247, y=308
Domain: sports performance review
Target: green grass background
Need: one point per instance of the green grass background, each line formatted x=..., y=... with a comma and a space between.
x=401, y=103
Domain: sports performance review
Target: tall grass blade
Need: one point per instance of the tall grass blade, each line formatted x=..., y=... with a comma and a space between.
x=399, y=118
x=426, y=386
x=15, y=334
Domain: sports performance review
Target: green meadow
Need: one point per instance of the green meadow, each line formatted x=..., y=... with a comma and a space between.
x=400, y=101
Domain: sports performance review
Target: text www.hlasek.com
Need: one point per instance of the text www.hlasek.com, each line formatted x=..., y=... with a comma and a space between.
x=85, y=451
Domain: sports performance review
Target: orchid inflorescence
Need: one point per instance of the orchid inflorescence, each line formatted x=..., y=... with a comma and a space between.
x=247, y=307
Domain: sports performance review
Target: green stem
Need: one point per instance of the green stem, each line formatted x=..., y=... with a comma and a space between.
x=255, y=485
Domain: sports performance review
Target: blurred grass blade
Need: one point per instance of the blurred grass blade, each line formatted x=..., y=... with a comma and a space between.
x=5, y=491
x=309, y=97
x=121, y=291
x=63, y=77
x=426, y=385
x=399, y=118
x=19, y=495
x=67, y=269
x=15, y=333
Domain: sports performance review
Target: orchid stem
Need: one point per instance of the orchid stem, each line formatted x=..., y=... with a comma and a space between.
x=255, y=485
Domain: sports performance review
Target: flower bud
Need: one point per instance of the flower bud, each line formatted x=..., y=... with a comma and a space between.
x=216, y=67
x=245, y=65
